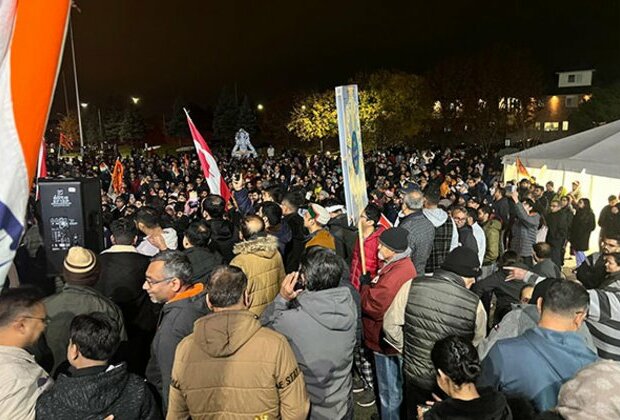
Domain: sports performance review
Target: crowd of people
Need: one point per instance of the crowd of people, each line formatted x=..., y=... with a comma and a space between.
x=449, y=299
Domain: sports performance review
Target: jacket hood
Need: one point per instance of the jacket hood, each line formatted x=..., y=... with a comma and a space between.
x=531, y=311
x=221, y=334
x=333, y=308
x=493, y=224
x=221, y=229
x=282, y=232
x=437, y=216
x=265, y=246
x=91, y=393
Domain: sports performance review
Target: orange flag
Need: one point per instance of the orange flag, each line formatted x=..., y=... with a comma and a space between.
x=522, y=170
x=117, y=177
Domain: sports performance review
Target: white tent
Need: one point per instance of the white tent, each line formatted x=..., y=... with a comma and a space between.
x=592, y=157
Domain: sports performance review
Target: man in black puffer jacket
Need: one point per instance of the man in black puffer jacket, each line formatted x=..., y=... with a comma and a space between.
x=94, y=389
x=439, y=306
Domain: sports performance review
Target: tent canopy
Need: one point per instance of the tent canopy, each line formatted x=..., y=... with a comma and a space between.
x=596, y=150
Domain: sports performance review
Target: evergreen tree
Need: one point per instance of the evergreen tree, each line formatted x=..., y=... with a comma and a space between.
x=247, y=117
x=225, y=117
x=132, y=125
x=112, y=123
x=176, y=126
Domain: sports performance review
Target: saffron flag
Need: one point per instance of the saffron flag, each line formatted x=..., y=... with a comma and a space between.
x=117, y=177
x=522, y=170
x=214, y=178
x=31, y=38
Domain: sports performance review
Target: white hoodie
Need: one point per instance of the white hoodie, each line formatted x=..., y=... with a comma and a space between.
x=150, y=250
x=438, y=217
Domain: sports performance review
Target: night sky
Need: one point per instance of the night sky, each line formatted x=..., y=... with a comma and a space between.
x=159, y=50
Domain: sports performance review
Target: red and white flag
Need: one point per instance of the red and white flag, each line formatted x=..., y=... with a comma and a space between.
x=214, y=178
x=385, y=222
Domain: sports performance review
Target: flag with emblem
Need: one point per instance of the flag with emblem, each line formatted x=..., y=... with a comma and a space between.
x=212, y=174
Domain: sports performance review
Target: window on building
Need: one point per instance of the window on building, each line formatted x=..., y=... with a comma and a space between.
x=571, y=101
x=537, y=125
x=552, y=126
x=564, y=125
x=571, y=78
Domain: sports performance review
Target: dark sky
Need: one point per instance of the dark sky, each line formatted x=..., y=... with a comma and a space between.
x=159, y=50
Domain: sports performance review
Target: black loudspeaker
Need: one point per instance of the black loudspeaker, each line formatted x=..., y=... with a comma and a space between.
x=71, y=213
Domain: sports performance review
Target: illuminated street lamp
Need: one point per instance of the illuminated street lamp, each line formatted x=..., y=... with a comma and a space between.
x=260, y=107
x=84, y=105
x=135, y=100
x=303, y=107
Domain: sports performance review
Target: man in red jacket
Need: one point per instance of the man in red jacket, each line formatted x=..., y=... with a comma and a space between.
x=377, y=296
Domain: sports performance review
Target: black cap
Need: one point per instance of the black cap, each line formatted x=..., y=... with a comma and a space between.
x=462, y=261
x=395, y=239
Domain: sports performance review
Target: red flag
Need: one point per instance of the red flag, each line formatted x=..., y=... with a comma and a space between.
x=214, y=178
x=385, y=222
x=66, y=142
x=117, y=177
x=42, y=166
x=522, y=170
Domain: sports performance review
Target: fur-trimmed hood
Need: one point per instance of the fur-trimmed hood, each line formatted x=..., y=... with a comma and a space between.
x=263, y=246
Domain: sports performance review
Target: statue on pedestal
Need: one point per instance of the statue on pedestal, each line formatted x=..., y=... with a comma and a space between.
x=243, y=148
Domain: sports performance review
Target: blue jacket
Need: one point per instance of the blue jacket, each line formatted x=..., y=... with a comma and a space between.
x=536, y=364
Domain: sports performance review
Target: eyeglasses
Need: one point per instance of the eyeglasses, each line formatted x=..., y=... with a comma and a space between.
x=152, y=283
x=45, y=320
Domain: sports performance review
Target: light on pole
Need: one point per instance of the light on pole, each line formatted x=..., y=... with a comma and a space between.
x=260, y=107
x=135, y=100
x=84, y=105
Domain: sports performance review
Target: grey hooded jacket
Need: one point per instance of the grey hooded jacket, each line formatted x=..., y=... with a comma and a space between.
x=321, y=329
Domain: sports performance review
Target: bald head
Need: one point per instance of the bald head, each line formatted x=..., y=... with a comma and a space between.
x=250, y=226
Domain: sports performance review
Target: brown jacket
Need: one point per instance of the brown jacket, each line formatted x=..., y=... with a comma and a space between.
x=232, y=368
x=262, y=264
x=323, y=239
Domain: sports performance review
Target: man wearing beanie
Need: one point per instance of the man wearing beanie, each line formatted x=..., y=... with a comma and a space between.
x=80, y=271
x=377, y=295
x=438, y=306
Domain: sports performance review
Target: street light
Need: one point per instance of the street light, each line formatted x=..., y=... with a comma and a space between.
x=135, y=100
x=260, y=107
x=303, y=107
x=84, y=105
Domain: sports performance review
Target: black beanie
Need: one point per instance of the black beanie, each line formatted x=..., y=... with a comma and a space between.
x=395, y=239
x=462, y=261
